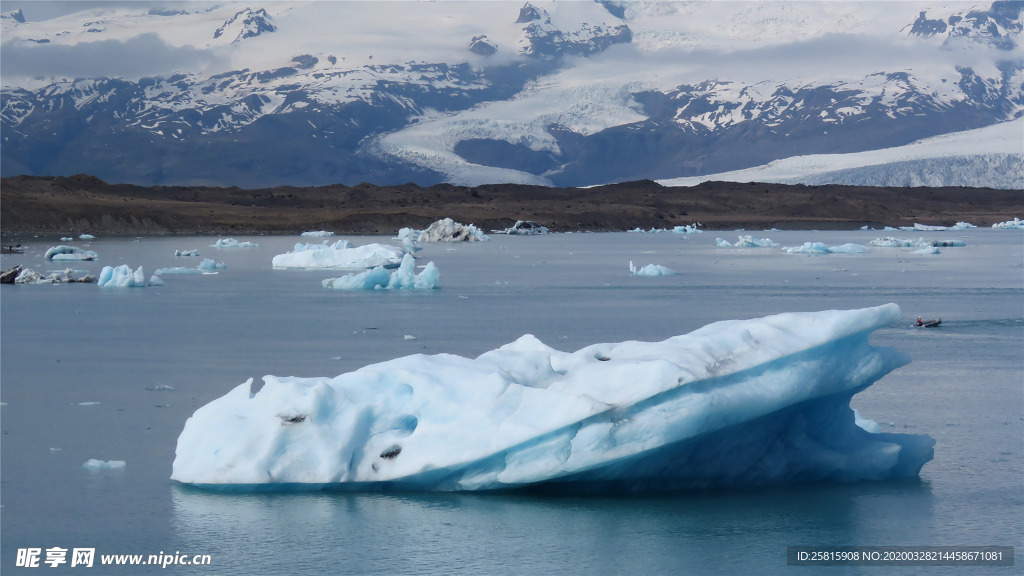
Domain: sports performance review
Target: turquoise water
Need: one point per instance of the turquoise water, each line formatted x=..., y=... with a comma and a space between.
x=85, y=373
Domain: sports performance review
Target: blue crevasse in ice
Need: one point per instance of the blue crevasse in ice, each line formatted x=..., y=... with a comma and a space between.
x=734, y=403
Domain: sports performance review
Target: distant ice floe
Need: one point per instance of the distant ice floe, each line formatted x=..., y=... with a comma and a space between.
x=1015, y=224
x=193, y=252
x=448, y=230
x=96, y=464
x=746, y=242
x=232, y=243
x=890, y=242
x=317, y=234
x=20, y=275
x=822, y=248
x=204, y=267
x=121, y=277
x=651, y=270
x=736, y=403
x=687, y=229
x=524, y=228
x=340, y=255
x=63, y=252
x=927, y=228
x=404, y=278
x=86, y=237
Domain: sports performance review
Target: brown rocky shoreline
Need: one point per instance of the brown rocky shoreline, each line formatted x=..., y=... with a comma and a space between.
x=81, y=203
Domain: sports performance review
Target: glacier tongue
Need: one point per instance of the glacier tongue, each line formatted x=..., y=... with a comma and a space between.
x=734, y=403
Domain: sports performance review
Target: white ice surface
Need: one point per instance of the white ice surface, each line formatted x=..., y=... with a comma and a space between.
x=735, y=403
x=1015, y=224
x=340, y=256
x=746, y=241
x=448, y=230
x=822, y=248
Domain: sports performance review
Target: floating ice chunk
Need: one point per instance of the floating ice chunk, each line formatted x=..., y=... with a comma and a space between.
x=63, y=252
x=734, y=403
x=192, y=252
x=338, y=245
x=121, y=277
x=890, y=242
x=86, y=237
x=694, y=229
x=95, y=464
x=340, y=256
x=408, y=337
x=317, y=234
x=524, y=228
x=232, y=243
x=177, y=270
x=448, y=230
x=155, y=280
x=404, y=278
x=651, y=270
x=746, y=241
x=927, y=228
x=1015, y=224
x=928, y=251
x=408, y=237
x=66, y=239
x=30, y=276
x=208, y=265
x=822, y=248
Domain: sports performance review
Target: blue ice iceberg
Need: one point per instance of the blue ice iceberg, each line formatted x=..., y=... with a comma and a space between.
x=63, y=252
x=121, y=277
x=651, y=270
x=404, y=278
x=734, y=403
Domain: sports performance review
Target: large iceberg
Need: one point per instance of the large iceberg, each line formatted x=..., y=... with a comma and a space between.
x=1015, y=224
x=340, y=255
x=734, y=403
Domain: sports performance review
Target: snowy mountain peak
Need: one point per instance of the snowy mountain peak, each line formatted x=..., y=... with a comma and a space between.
x=15, y=16
x=530, y=13
x=246, y=24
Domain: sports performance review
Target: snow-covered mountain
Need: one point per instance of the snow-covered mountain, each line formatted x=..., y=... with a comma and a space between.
x=567, y=93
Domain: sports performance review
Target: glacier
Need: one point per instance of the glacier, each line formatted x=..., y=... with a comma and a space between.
x=736, y=403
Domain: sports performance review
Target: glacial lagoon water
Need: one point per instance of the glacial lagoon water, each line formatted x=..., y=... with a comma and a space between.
x=113, y=374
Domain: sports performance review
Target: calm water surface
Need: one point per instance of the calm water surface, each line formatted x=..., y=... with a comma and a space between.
x=83, y=372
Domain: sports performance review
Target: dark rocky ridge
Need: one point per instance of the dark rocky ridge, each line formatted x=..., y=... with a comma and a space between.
x=78, y=204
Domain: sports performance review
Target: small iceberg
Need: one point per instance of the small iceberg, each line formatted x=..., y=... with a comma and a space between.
x=736, y=403
x=746, y=242
x=408, y=238
x=179, y=253
x=651, y=270
x=232, y=243
x=448, y=230
x=96, y=464
x=524, y=228
x=340, y=255
x=121, y=277
x=317, y=234
x=404, y=278
x=822, y=248
x=691, y=229
x=86, y=237
x=1015, y=224
x=63, y=252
